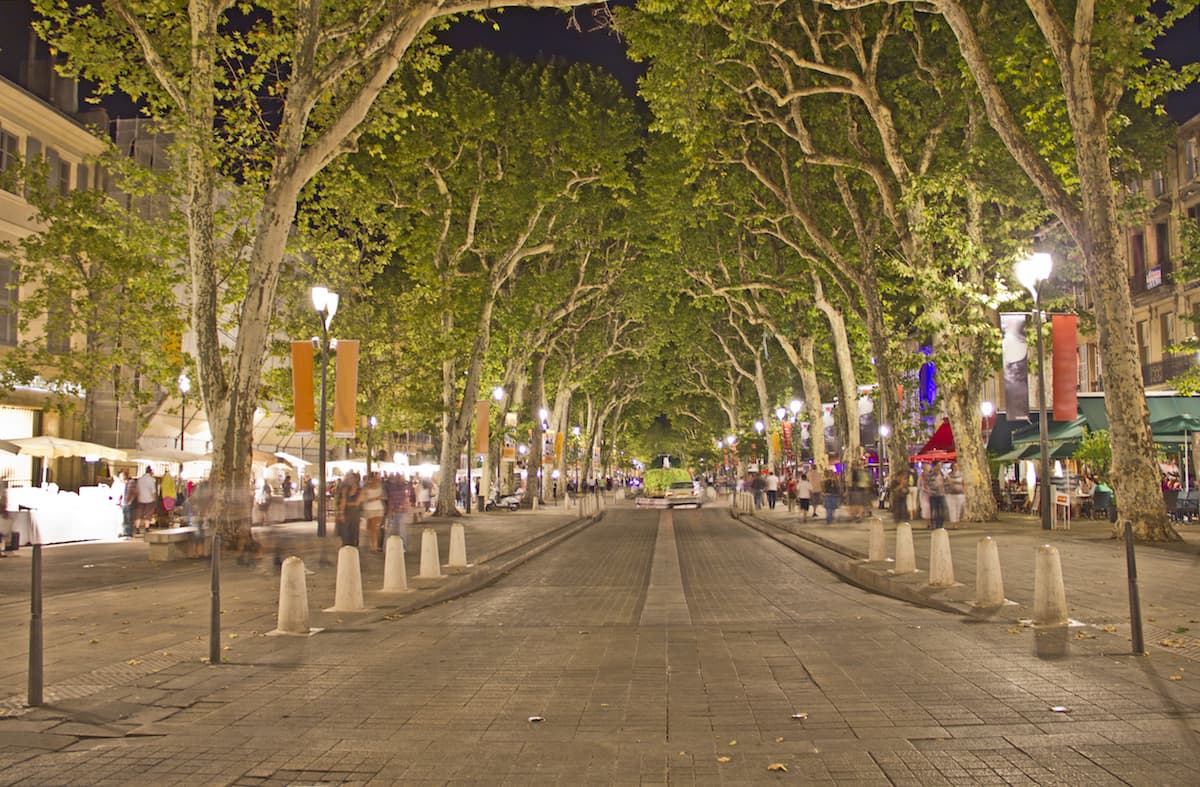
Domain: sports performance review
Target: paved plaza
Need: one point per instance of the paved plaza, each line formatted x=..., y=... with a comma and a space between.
x=643, y=647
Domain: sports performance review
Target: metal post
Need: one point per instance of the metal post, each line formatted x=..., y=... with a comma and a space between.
x=1135, y=604
x=1043, y=423
x=321, y=443
x=35, y=627
x=469, y=495
x=214, y=620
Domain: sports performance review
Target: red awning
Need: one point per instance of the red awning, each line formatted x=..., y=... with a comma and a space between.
x=940, y=447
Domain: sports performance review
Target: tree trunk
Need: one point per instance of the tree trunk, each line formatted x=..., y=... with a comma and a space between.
x=812, y=405
x=844, y=361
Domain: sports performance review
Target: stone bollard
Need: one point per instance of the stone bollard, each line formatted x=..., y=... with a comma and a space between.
x=906, y=556
x=458, y=547
x=348, y=594
x=395, y=579
x=989, y=586
x=1049, y=594
x=877, y=549
x=293, y=601
x=431, y=564
x=941, y=562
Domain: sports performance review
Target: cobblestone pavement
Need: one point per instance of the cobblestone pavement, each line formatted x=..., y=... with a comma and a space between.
x=651, y=648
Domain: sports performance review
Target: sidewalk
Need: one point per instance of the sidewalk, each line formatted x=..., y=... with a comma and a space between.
x=1093, y=566
x=111, y=615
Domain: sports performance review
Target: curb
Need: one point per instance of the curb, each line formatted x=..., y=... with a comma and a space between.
x=852, y=566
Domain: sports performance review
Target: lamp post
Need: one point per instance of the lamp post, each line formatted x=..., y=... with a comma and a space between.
x=1031, y=272
x=185, y=385
x=372, y=422
x=325, y=303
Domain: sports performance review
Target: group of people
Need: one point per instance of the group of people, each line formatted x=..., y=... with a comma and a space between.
x=148, y=500
x=798, y=490
x=375, y=500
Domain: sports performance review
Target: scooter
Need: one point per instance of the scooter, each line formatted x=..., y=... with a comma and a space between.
x=511, y=502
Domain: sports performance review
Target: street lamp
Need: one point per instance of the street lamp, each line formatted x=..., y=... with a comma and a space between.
x=185, y=385
x=325, y=303
x=1031, y=272
x=372, y=422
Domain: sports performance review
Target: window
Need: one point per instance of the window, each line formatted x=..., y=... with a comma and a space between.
x=82, y=177
x=1158, y=184
x=58, y=324
x=1137, y=255
x=1191, y=157
x=10, y=151
x=33, y=151
x=1143, y=342
x=58, y=172
x=1166, y=323
x=1162, y=246
x=8, y=302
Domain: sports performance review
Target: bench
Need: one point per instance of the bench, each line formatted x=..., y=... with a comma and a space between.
x=170, y=543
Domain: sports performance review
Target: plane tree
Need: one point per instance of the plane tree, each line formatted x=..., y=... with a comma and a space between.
x=263, y=96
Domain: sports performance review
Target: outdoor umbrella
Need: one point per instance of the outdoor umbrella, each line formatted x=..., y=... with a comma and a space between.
x=48, y=447
x=172, y=455
x=1177, y=428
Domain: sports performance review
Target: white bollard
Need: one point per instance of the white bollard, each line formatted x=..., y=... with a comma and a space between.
x=458, y=547
x=989, y=586
x=941, y=562
x=395, y=579
x=431, y=564
x=293, y=600
x=1049, y=594
x=877, y=549
x=348, y=594
x=906, y=556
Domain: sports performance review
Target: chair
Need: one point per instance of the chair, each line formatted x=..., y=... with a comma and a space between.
x=1102, y=505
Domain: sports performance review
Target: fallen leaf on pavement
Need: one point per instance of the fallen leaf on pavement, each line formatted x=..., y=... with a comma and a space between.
x=1060, y=709
x=1084, y=635
x=134, y=662
x=779, y=739
x=233, y=636
x=733, y=743
x=536, y=719
x=777, y=766
x=800, y=716
x=1175, y=677
x=94, y=642
x=723, y=758
x=1172, y=643
x=1015, y=630
x=1110, y=629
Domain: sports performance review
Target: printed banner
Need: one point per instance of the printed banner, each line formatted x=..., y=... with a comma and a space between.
x=787, y=437
x=1065, y=366
x=302, y=387
x=346, y=388
x=1015, y=353
x=483, y=411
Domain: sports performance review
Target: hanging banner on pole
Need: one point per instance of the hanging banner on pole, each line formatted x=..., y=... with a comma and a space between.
x=1015, y=353
x=302, y=388
x=483, y=410
x=1065, y=366
x=346, y=389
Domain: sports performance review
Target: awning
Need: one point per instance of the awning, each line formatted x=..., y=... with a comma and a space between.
x=1163, y=409
x=1017, y=454
x=1058, y=432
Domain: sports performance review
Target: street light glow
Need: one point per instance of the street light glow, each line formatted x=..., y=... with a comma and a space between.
x=885, y=431
x=780, y=413
x=730, y=440
x=796, y=406
x=1033, y=270
x=185, y=383
x=498, y=393
x=988, y=409
x=759, y=426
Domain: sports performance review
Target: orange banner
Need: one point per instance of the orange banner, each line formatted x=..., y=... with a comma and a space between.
x=302, y=387
x=559, y=440
x=1066, y=367
x=346, y=389
x=483, y=410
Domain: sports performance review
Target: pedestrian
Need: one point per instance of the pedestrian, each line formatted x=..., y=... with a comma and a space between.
x=758, y=485
x=899, y=496
x=372, y=510
x=831, y=489
x=125, y=492
x=399, y=497
x=772, y=487
x=804, y=495
x=349, y=509
x=790, y=490
x=956, y=496
x=933, y=483
x=147, y=501
x=308, y=495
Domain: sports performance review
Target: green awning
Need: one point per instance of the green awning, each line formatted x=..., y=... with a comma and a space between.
x=1058, y=432
x=1017, y=454
x=1162, y=409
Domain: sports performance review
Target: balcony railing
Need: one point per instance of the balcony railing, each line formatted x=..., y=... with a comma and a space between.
x=1159, y=372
